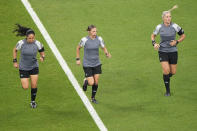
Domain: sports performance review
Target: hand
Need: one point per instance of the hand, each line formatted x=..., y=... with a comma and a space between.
x=78, y=62
x=41, y=59
x=15, y=64
x=156, y=46
x=173, y=43
x=108, y=55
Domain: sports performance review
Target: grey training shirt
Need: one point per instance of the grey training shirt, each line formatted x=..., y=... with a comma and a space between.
x=91, y=50
x=28, y=55
x=167, y=33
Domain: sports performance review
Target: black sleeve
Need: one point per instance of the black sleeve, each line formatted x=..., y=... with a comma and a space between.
x=41, y=50
x=181, y=32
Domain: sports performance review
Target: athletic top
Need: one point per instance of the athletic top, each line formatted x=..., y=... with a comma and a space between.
x=91, y=50
x=28, y=55
x=168, y=33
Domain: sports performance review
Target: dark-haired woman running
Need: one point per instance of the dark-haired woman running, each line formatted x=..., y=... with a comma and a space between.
x=91, y=62
x=28, y=64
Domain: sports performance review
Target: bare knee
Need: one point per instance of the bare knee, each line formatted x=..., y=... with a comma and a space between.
x=96, y=82
x=25, y=87
x=33, y=85
x=166, y=72
x=90, y=83
x=173, y=72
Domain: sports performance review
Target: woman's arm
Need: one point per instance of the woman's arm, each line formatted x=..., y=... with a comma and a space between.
x=108, y=55
x=42, y=56
x=78, y=62
x=156, y=46
x=182, y=37
x=15, y=58
x=175, y=42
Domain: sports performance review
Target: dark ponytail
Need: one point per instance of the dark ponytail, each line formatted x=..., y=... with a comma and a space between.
x=23, y=31
x=90, y=27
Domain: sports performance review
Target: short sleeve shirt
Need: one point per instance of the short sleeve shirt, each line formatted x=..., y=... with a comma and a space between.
x=167, y=34
x=28, y=53
x=91, y=50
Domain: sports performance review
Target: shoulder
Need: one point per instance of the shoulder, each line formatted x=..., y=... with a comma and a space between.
x=84, y=39
x=100, y=38
x=20, y=42
x=158, y=26
x=39, y=44
x=176, y=26
x=157, y=29
x=101, y=41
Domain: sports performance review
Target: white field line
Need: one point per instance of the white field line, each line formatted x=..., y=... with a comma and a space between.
x=64, y=66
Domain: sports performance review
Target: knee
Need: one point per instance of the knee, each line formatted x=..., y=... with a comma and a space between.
x=166, y=72
x=25, y=87
x=34, y=85
x=96, y=82
x=173, y=72
x=90, y=82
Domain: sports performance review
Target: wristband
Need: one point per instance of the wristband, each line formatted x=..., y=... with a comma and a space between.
x=177, y=42
x=153, y=42
x=77, y=58
x=14, y=60
x=43, y=57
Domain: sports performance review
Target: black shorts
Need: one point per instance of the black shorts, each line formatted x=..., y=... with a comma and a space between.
x=171, y=57
x=26, y=74
x=91, y=71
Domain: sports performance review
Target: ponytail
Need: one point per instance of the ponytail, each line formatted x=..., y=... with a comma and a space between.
x=90, y=27
x=23, y=31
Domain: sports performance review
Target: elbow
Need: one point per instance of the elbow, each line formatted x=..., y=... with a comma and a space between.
x=184, y=36
x=14, y=50
x=152, y=36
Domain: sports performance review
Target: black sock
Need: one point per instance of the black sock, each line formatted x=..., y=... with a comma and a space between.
x=94, y=90
x=166, y=79
x=85, y=83
x=33, y=94
x=170, y=75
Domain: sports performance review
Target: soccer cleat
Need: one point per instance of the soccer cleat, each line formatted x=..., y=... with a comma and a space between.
x=85, y=84
x=94, y=101
x=33, y=104
x=167, y=94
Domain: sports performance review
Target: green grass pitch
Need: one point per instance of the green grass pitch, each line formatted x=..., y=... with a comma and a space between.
x=131, y=88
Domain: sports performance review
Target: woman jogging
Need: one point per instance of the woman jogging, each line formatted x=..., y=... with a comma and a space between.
x=91, y=62
x=167, y=48
x=28, y=65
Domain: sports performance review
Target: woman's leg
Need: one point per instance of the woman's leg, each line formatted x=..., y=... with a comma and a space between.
x=166, y=77
x=34, y=80
x=173, y=69
x=95, y=87
x=165, y=67
x=90, y=80
x=25, y=83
